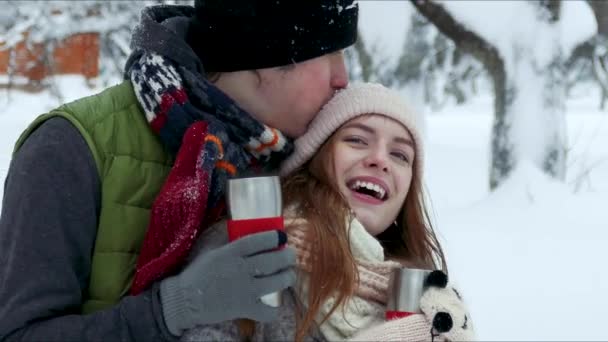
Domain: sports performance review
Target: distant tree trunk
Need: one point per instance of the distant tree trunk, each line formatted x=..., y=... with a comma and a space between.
x=600, y=10
x=600, y=72
x=588, y=49
x=365, y=60
x=554, y=96
x=513, y=138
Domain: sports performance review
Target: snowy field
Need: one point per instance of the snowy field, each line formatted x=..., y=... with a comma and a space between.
x=528, y=257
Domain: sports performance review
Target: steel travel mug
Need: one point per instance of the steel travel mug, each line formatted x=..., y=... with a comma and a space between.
x=255, y=205
x=406, y=286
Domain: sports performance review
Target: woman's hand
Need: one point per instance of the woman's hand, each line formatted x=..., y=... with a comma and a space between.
x=445, y=310
x=444, y=318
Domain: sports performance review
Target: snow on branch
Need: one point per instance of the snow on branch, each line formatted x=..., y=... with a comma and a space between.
x=468, y=40
x=519, y=26
x=578, y=24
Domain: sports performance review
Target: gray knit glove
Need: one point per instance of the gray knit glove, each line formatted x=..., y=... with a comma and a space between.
x=445, y=310
x=227, y=283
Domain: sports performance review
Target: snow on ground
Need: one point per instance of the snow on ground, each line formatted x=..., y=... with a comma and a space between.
x=527, y=256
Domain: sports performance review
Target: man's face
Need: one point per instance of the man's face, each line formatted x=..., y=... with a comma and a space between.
x=288, y=98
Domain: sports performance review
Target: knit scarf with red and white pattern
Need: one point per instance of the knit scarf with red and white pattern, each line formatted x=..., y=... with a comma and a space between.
x=212, y=138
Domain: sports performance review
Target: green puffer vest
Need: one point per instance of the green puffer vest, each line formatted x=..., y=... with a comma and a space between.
x=132, y=166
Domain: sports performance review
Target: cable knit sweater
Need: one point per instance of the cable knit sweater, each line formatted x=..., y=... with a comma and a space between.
x=412, y=328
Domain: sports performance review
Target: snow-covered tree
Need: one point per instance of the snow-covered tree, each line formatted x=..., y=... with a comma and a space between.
x=433, y=62
x=359, y=60
x=524, y=46
x=424, y=61
x=367, y=62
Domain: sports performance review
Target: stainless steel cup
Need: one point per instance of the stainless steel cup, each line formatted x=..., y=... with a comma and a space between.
x=406, y=286
x=256, y=198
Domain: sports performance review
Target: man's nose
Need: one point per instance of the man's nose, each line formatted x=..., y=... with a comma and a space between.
x=339, y=75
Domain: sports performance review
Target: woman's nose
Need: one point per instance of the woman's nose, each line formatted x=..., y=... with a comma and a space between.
x=377, y=159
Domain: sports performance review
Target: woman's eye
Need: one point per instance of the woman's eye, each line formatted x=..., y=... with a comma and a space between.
x=355, y=140
x=401, y=156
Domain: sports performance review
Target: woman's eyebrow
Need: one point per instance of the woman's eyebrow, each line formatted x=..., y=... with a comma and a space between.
x=370, y=130
x=360, y=126
x=404, y=141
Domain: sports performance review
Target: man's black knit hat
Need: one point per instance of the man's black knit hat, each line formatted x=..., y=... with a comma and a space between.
x=232, y=35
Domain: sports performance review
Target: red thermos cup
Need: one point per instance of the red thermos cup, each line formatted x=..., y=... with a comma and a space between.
x=254, y=206
x=406, y=286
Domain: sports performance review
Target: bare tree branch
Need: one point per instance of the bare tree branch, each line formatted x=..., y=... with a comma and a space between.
x=553, y=8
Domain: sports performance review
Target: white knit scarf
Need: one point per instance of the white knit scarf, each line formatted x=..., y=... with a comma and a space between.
x=366, y=307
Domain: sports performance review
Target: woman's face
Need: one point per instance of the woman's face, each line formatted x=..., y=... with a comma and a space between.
x=373, y=157
x=287, y=98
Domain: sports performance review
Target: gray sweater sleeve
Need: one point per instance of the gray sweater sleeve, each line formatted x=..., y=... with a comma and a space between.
x=48, y=226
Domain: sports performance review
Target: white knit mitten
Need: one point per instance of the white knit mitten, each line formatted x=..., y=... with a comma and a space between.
x=444, y=308
x=444, y=318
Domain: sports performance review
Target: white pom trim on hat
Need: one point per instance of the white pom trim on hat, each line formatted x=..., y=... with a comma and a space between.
x=355, y=100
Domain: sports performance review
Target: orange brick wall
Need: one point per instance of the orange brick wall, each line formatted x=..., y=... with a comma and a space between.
x=76, y=54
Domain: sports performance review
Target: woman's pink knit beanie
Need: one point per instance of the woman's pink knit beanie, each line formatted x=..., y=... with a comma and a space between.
x=353, y=101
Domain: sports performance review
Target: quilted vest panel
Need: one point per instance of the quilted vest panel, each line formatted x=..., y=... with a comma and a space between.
x=132, y=166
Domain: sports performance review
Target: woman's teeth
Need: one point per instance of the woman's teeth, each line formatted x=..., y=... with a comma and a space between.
x=376, y=189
